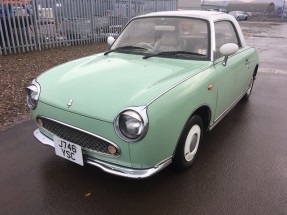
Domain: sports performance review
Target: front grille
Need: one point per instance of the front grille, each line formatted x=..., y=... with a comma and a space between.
x=85, y=140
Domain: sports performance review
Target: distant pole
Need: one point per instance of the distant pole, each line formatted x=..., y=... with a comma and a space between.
x=283, y=9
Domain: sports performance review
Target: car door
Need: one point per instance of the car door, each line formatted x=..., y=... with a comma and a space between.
x=231, y=77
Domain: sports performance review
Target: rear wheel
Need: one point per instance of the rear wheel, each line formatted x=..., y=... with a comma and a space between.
x=249, y=90
x=189, y=143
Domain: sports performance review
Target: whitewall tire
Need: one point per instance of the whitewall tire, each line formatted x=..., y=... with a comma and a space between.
x=189, y=143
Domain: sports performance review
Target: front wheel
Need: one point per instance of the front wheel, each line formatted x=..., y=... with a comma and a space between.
x=189, y=143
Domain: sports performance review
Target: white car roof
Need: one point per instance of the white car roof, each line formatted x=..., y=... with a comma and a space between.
x=210, y=16
x=207, y=15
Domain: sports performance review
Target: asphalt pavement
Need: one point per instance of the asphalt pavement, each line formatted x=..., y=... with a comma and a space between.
x=241, y=168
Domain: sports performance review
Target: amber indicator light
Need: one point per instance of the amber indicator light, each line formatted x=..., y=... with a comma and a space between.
x=210, y=86
x=40, y=122
x=112, y=150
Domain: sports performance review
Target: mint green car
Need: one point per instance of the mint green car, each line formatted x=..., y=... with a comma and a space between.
x=147, y=101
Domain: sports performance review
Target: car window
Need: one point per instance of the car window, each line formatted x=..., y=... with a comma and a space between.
x=195, y=34
x=224, y=33
x=135, y=33
x=187, y=36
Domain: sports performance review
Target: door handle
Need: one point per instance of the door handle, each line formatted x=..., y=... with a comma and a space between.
x=247, y=62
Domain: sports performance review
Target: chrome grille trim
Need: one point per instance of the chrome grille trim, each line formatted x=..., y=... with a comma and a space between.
x=97, y=148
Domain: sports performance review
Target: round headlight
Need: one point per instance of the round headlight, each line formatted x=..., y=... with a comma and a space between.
x=131, y=125
x=33, y=92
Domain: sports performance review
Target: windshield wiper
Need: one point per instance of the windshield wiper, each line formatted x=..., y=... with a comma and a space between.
x=125, y=48
x=172, y=53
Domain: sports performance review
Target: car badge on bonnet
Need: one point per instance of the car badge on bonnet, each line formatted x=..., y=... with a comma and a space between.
x=70, y=103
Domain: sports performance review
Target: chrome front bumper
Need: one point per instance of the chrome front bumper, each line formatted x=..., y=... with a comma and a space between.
x=111, y=168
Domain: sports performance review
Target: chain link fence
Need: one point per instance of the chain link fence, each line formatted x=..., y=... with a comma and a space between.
x=29, y=25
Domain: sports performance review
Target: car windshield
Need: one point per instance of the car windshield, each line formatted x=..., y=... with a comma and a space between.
x=172, y=37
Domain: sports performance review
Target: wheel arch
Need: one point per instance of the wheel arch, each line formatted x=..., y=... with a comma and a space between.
x=204, y=112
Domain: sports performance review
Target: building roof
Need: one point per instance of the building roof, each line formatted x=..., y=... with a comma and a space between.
x=189, y=5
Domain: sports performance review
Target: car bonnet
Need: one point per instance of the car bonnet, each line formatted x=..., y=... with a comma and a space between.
x=101, y=86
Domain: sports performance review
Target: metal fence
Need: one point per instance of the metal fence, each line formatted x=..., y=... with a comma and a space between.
x=29, y=25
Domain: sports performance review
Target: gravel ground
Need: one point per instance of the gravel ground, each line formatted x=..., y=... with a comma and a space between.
x=17, y=71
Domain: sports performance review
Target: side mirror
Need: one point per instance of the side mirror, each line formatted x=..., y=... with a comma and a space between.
x=227, y=50
x=110, y=40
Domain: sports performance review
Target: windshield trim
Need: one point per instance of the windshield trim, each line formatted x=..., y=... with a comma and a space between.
x=173, y=53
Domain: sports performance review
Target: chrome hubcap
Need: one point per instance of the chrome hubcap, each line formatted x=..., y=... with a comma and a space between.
x=192, y=142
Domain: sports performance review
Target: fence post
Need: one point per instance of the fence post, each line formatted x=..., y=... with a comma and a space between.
x=130, y=9
x=36, y=25
x=3, y=33
x=283, y=10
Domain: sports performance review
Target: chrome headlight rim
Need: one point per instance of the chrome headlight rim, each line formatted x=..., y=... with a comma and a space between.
x=142, y=113
x=35, y=88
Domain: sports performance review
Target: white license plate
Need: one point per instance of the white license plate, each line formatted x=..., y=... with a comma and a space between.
x=68, y=150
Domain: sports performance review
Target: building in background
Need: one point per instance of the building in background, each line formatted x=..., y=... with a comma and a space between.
x=189, y=4
x=268, y=7
x=255, y=7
